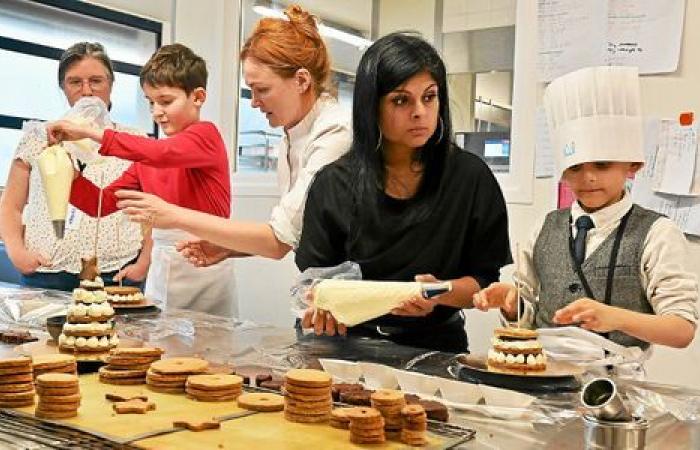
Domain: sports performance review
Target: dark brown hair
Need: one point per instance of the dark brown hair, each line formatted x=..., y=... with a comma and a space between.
x=289, y=45
x=80, y=51
x=175, y=65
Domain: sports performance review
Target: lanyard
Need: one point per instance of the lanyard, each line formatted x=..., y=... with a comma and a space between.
x=611, y=265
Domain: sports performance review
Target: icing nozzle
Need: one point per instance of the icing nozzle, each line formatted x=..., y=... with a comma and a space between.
x=59, y=228
x=431, y=290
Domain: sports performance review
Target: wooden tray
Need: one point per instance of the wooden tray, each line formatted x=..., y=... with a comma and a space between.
x=558, y=377
x=259, y=430
x=49, y=346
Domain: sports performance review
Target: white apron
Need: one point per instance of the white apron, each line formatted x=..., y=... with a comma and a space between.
x=173, y=282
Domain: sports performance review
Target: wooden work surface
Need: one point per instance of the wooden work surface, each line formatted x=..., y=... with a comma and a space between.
x=263, y=430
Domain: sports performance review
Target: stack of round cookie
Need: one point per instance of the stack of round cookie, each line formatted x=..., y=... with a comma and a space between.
x=124, y=295
x=89, y=326
x=389, y=402
x=214, y=388
x=308, y=397
x=59, y=396
x=340, y=419
x=414, y=425
x=128, y=365
x=54, y=364
x=170, y=375
x=366, y=425
x=16, y=386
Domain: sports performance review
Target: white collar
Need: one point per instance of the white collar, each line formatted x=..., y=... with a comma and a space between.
x=301, y=130
x=605, y=217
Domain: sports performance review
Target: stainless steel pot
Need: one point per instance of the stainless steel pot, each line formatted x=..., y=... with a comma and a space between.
x=602, y=400
x=614, y=435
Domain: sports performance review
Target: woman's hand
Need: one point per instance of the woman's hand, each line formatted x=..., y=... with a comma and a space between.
x=497, y=295
x=65, y=130
x=590, y=315
x=134, y=272
x=148, y=209
x=201, y=253
x=322, y=322
x=27, y=261
x=415, y=307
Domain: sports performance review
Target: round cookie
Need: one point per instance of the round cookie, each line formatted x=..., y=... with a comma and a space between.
x=262, y=402
x=215, y=382
x=71, y=398
x=15, y=379
x=57, y=380
x=20, y=361
x=19, y=387
x=308, y=378
x=173, y=366
x=106, y=372
x=19, y=370
x=306, y=418
x=52, y=415
x=40, y=390
x=137, y=352
x=362, y=414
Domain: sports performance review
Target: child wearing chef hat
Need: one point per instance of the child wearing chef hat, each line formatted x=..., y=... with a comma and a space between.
x=605, y=264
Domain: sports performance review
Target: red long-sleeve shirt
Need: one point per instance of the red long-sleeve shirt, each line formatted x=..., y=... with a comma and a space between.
x=189, y=169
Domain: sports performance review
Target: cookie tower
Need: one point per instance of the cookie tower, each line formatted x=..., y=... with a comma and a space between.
x=414, y=425
x=516, y=350
x=128, y=366
x=170, y=375
x=366, y=425
x=89, y=323
x=389, y=402
x=308, y=397
x=16, y=385
x=59, y=396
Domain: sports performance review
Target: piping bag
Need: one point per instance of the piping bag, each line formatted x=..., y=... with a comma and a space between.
x=355, y=301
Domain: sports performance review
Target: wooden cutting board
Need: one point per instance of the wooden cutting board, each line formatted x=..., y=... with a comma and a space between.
x=261, y=430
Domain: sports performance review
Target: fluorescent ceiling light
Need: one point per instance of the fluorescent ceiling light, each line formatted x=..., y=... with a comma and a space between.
x=324, y=30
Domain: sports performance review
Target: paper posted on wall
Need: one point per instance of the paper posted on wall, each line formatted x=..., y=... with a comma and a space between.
x=682, y=209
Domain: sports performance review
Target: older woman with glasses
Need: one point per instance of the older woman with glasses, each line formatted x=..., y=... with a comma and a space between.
x=84, y=70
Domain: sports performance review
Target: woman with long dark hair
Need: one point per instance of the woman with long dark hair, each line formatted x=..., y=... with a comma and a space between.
x=405, y=203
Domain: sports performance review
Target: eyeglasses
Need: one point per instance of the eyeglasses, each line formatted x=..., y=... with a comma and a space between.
x=96, y=83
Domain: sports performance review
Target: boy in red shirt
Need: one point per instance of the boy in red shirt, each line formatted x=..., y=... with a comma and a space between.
x=189, y=168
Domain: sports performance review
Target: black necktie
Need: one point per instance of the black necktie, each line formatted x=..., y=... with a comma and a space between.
x=583, y=224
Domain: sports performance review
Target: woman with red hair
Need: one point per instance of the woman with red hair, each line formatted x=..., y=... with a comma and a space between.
x=287, y=68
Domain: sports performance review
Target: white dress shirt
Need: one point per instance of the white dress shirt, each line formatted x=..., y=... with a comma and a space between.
x=320, y=138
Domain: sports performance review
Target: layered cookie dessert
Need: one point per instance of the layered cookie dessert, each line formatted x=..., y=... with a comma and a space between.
x=124, y=295
x=94, y=284
x=516, y=350
x=89, y=323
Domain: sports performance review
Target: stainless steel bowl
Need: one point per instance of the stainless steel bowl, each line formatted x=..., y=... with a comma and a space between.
x=614, y=435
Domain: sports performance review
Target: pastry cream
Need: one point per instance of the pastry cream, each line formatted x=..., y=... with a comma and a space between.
x=355, y=301
x=56, y=171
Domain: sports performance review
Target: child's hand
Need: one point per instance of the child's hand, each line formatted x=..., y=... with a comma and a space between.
x=497, y=295
x=590, y=315
x=65, y=130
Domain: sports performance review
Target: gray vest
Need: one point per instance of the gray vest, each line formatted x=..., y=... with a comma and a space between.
x=560, y=285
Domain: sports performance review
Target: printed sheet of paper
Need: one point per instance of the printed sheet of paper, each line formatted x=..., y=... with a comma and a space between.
x=572, y=34
x=544, y=158
x=683, y=210
x=642, y=33
x=646, y=34
x=676, y=158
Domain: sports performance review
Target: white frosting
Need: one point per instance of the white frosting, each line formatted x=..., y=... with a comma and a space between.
x=88, y=327
x=114, y=341
x=70, y=341
x=519, y=345
x=78, y=310
x=97, y=282
x=130, y=298
x=80, y=342
x=93, y=342
x=62, y=339
x=83, y=296
x=530, y=360
x=104, y=342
